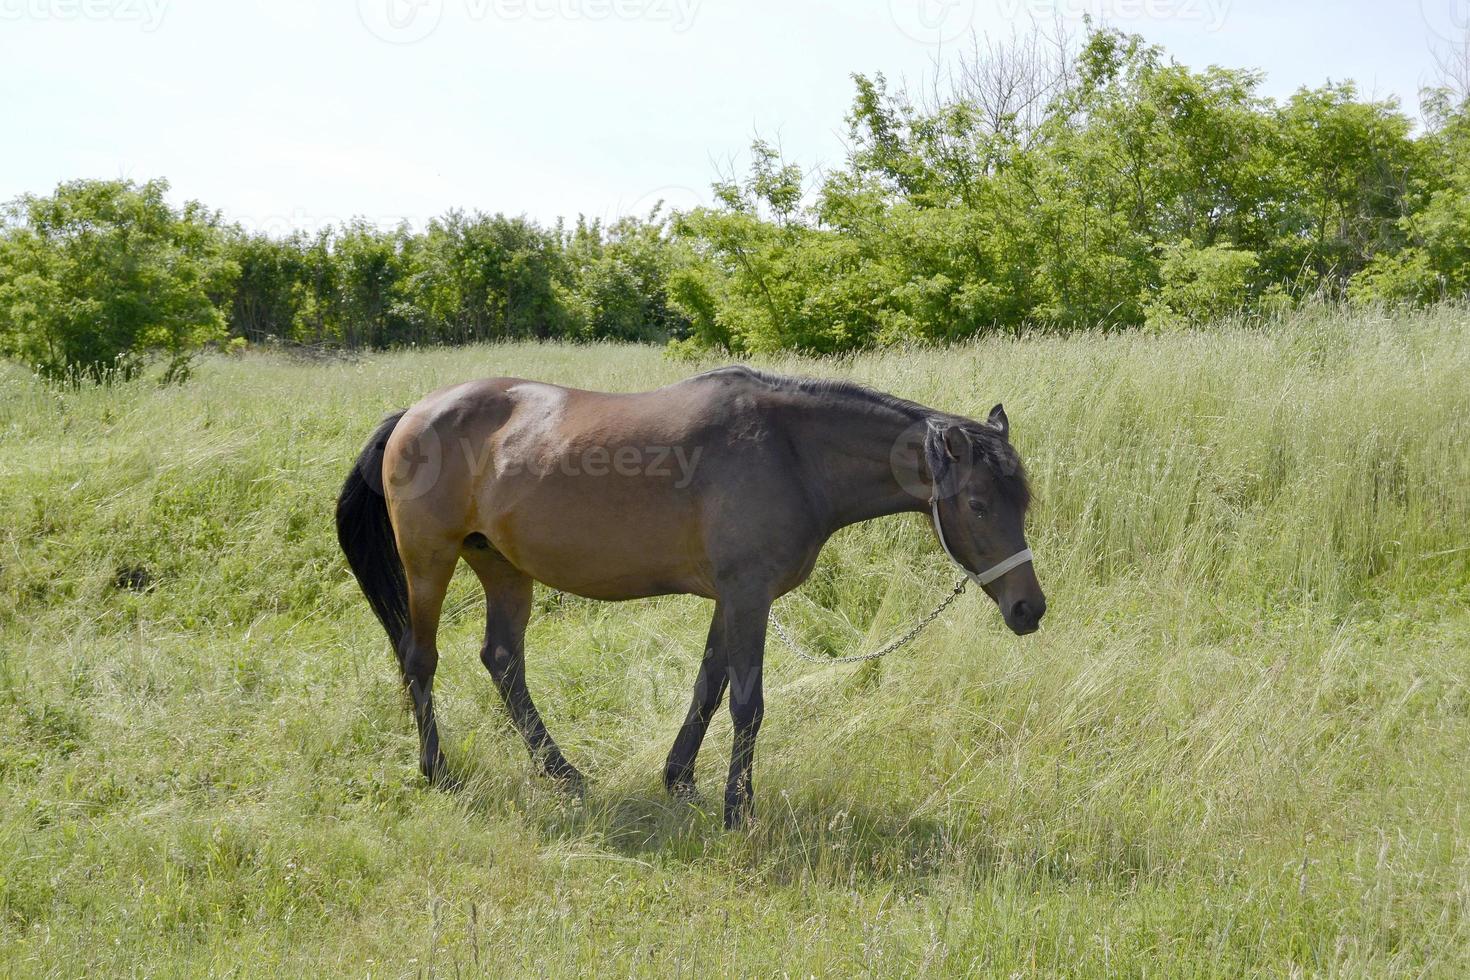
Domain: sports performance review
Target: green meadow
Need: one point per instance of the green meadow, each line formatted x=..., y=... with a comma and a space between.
x=1238, y=745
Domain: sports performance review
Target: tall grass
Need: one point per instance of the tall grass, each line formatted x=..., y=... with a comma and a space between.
x=1237, y=746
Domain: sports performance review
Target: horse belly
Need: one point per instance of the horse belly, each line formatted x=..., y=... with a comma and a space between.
x=611, y=538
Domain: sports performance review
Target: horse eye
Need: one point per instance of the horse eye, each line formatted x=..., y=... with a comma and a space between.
x=978, y=507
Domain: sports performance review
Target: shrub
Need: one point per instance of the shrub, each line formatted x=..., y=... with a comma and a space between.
x=1197, y=284
x=100, y=273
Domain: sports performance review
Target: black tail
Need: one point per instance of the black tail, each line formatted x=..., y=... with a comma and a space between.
x=366, y=536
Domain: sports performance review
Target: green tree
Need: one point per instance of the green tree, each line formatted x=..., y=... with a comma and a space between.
x=1198, y=284
x=1101, y=185
x=1345, y=175
x=618, y=279
x=268, y=295
x=371, y=285
x=99, y=273
x=1435, y=262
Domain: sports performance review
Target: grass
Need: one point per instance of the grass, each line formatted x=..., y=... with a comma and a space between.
x=1238, y=746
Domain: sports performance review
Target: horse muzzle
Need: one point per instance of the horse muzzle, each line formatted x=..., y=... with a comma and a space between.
x=1024, y=616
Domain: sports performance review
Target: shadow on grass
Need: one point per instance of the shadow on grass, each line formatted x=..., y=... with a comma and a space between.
x=818, y=835
x=832, y=828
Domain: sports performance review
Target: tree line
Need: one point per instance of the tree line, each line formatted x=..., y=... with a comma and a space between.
x=1038, y=183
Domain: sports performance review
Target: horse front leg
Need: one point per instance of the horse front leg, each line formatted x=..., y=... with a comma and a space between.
x=744, y=629
x=709, y=690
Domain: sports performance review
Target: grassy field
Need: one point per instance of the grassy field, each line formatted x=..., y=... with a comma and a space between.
x=1239, y=744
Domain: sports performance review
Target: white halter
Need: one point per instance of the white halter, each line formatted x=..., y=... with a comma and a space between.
x=990, y=574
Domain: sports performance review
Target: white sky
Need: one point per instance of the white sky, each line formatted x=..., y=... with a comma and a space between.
x=290, y=114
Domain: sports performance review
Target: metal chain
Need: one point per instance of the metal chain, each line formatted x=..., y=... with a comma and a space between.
x=882, y=651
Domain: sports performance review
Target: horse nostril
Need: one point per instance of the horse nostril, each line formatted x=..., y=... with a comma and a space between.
x=1021, y=612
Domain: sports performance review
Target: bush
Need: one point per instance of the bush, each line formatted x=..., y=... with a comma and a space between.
x=100, y=273
x=1197, y=284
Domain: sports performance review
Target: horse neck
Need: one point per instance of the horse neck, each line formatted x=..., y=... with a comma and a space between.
x=866, y=455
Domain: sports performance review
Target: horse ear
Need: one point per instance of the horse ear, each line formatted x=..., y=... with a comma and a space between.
x=941, y=451
x=999, y=421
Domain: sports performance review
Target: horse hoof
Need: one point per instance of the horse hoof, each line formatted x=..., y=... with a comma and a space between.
x=442, y=779
x=569, y=780
x=685, y=792
x=739, y=817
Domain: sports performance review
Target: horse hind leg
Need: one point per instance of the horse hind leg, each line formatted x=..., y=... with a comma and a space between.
x=428, y=571
x=507, y=610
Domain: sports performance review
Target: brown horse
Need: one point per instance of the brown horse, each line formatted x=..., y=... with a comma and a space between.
x=725, y=485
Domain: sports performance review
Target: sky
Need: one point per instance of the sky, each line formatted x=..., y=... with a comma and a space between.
x=291, y=115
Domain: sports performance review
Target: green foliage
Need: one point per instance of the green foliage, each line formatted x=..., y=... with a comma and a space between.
x=465, y=278
x=474, y=277
x=1062, y=187
x=1436, y=260
x=100, y=273
x=1407, y=276
x=1198, y=285
x=618, y=280
x=267, y=296
x=1106, y=186
x=1346, y=172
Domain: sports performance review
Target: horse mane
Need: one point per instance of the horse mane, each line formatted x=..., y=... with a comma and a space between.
x=991, y=448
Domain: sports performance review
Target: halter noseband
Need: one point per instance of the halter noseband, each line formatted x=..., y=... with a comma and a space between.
x=990, y=574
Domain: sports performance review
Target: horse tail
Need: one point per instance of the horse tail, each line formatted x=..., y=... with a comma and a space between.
x=366, y=535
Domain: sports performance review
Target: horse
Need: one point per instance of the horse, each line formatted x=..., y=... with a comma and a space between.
x=725, y=485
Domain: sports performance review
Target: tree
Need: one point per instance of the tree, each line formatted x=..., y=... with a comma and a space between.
x=1345, y=173
x=268, y=296
x=99, y=273
x=618, y=279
